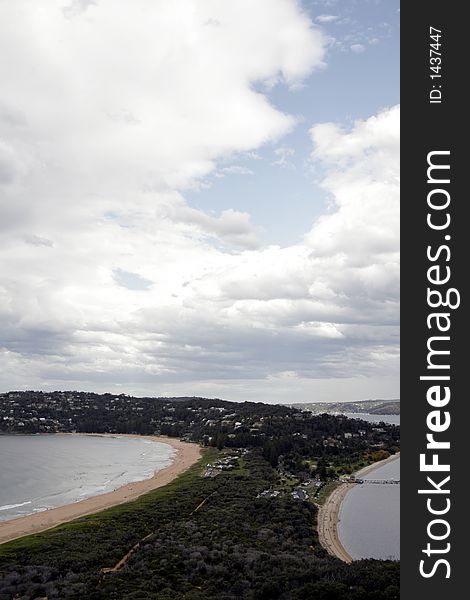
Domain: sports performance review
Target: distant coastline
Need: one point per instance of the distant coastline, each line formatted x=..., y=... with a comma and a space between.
x=371, y=407
x=186, y=455
x=328, y=514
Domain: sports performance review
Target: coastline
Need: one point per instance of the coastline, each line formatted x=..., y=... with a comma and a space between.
x=328, y=514
x=186, y=455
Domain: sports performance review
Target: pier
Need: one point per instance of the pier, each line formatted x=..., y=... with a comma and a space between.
x=378, y=481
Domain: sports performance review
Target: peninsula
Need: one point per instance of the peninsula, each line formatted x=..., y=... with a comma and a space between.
x=240, y=522
x=329, y=512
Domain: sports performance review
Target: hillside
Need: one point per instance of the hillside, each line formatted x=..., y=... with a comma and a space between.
x=240, y=524
x=373, y=407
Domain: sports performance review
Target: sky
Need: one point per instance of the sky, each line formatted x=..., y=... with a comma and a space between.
x=200, y=197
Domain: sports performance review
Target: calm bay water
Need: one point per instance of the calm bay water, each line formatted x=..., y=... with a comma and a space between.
x=391, y=419
x=369, y=524
x=38, y=472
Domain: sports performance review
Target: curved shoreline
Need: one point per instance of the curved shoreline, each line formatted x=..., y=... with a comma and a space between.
x=186, y=455
x=328, y=514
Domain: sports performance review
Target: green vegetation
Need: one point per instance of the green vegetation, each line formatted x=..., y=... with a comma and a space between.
x=135, y=511
x=240, y=524
x=234, y=546
x=325, y=491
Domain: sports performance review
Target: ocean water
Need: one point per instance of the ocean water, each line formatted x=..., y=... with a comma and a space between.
x=369, y=525
x=38, y=472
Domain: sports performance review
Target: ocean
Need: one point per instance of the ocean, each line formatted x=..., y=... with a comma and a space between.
x=38, y=472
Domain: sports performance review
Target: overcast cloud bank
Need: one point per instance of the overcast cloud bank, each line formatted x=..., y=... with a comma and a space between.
x=110, y=280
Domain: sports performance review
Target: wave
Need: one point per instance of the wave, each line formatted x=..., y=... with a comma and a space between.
x=10, y=506
x=83, y=472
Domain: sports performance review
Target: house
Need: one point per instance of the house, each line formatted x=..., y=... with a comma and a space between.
x=300, y=494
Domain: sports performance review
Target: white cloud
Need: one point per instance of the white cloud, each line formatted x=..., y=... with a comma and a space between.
x=284, y=154
x=232, y=226
x=363, y=177
x=151, y=90
x=327, y=18
x=37, y=240
x=358, y=48
x=236, y=170
x=77, y=7
x=108, y=278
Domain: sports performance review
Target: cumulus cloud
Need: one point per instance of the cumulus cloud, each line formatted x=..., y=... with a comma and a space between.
x=236, y=170
x=284, y=154
x=152, y=90
x=77, y=7
x=109, y=279
x=357, y=48
x=362, y=174
x=10, y=164
x=37, y=240
x=327, y=18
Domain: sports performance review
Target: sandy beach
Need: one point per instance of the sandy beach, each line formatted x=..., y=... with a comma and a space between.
x=186, y=455
x=328, y=514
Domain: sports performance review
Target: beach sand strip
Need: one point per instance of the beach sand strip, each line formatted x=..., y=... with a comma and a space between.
x=328, y=514
x=186, y=455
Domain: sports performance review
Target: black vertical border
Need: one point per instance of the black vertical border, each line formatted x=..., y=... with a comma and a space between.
x=427, y=127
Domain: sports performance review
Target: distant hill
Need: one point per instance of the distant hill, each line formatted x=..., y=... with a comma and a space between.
x=373, y=407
